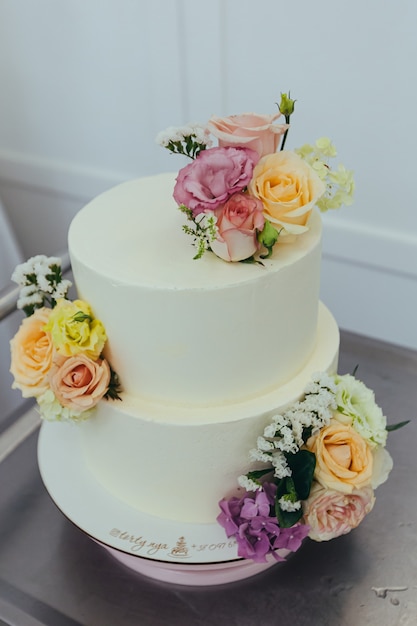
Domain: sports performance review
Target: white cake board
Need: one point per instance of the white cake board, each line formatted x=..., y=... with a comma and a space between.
x=169, y=551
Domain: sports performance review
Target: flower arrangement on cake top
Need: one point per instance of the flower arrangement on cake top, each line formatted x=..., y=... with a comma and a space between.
x=242, y=195
x=56, y=354
x=317, y=466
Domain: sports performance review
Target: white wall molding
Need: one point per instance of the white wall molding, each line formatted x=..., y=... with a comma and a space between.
x=68, y=180
x=393, y=252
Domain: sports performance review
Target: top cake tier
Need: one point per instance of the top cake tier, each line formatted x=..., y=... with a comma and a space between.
x=184, y=331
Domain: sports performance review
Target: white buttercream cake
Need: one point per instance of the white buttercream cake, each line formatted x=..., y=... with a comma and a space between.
x=206, y=350
x=197, y=362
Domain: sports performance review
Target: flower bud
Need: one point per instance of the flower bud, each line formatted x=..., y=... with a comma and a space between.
x=286, y=105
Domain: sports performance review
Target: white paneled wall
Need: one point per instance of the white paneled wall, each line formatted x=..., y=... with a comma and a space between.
x=86, y=86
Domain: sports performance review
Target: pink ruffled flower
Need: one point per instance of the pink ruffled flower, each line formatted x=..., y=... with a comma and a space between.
x=238, y=222
x=249, y=130
x=332, y=513
x=215, y=175
x=78, y=382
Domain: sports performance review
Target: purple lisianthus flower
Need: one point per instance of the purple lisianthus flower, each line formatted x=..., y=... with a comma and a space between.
x=251, y=520
x=253, y=544
x=291, y=538
x=213, y=177
x=230, y=518
x=258, y=506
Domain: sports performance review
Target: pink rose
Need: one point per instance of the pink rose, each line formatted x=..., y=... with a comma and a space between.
x=248, y=130
x=78, y=382
x=216, y=174
x=332, y=513
x=31, y=355
x=238, y=222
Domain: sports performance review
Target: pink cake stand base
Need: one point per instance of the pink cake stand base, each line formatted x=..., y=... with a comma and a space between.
x=201, y=575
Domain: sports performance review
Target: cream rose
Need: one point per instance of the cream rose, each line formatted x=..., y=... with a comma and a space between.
x=248, y=130
x=288, y=188
x=31, y=355
x=344, y=460
x=78, y=382
x=332, y=513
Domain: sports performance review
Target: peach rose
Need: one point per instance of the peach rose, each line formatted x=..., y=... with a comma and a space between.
x=332, y=513
x=31, y=355
x=238, y=222
x=78, y=382
x=248, y=130
x=344, y=460
x=288, y=188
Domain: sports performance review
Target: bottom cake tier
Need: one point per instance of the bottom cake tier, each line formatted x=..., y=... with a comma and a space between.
x=177, y=462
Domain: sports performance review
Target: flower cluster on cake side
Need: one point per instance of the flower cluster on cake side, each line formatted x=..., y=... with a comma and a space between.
x=317, y=466
x=241, y=196
x=57, y=353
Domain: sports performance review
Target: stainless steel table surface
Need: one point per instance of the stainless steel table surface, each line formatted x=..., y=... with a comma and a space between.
x=51, y=573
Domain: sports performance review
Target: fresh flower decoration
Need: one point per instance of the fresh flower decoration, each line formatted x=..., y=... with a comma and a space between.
x=225, y=190
x=56, y=354
x=317, y=466
x=339, y=184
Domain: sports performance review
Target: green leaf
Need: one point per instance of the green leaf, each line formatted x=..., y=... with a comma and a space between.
x=80, y=316
x=257, y=474
x=55, y=275
x=29, y=309
x=307, y=433
x=251, y=260
x=286, y=519
x=392, y=427
x=115, y=387
x=302, y=465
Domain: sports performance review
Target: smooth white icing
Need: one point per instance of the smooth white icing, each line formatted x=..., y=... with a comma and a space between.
x=188, y=332
x=177, y=462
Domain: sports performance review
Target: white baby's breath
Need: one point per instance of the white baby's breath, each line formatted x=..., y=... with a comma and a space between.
x=280, y=465
x=41, y=282
x=177, y=134
x=29, y=295
x=287, y=505
x=171, y=133
x=284, y=435
x=259, y=455
x=61, y=290
x=248, y=484
x=264, y=445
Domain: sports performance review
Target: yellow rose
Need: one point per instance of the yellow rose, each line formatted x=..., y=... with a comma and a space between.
x=288, y=188
x=74, y=330
x=344, y=460
x=31, y=355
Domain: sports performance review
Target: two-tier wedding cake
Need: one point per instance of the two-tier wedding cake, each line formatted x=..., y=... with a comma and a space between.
x=203, y=378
